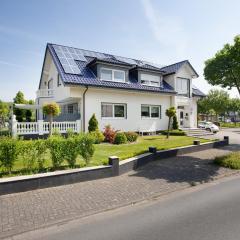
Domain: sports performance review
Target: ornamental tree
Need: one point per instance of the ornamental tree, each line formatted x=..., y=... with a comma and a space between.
x=170, y=113
x=224, y=68
x=93, y=124
x=51, y=110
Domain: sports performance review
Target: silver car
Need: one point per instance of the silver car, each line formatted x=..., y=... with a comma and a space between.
x=209, y=126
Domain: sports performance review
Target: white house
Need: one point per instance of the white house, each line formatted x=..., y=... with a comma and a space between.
x=129, y=94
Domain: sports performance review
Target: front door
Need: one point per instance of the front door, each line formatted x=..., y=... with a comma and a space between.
x=181, y=118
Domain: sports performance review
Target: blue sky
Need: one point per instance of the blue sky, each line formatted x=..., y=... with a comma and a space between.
x=160, y=31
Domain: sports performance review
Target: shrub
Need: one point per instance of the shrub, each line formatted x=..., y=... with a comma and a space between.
x=175, y=122
x=120, y=138
x=70, y=133
x=85, y=146
x=71, y=152
x=98, y=136
x=5, y=133
x=57, y=149
x=231, y=160
x=109, y=133
x=93, y=124
x=174, y=133
x=131, y=136
x=27, y=153
x=8, y=152
x=41, y=148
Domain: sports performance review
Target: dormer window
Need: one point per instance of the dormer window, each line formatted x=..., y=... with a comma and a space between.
x=151, y=80
x=113, y=75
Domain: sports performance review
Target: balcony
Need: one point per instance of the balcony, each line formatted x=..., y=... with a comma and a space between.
x=45, y=93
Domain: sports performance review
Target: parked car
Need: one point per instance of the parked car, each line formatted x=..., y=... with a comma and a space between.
x=209, y=126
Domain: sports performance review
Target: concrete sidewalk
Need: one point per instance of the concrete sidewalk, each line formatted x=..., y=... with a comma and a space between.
x=35, y=209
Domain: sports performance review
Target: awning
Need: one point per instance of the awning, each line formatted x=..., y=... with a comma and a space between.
x=27, y=106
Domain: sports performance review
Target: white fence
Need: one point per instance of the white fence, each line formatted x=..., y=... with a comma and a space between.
x=40, y=127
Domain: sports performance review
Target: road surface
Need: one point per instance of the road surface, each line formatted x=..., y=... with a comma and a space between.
x=210, y=211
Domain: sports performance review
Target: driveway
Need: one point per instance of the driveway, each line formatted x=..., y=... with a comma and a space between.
x=40, y=208
x=233, y=133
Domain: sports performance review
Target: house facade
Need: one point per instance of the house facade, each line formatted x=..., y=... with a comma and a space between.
x=129, y=94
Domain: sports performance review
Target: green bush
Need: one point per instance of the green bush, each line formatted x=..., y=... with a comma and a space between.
x=231, y=160
x=5, y=133
x=120, y=138
x=175, y=123
x=98, y=136
x=56, y=145
x=8, y=152
x=28, y=154
x=71, y=152
x=41, y=149
x=85, y=146
x=174, y=133
x=131, y=136
x=93, y=124
x=70, y=133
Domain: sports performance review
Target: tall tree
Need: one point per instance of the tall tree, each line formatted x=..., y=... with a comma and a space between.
x=224, y=68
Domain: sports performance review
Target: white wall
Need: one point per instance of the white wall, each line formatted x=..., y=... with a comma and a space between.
x=94, y=98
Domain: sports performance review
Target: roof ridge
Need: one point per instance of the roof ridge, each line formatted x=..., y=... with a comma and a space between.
x=186, y=60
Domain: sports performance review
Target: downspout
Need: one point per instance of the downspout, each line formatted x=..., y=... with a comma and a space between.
x=83, y=117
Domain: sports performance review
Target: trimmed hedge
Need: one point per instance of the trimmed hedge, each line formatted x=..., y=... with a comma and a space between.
x=174, y=132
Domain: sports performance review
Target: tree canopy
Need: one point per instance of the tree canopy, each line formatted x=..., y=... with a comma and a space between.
x=224, y=68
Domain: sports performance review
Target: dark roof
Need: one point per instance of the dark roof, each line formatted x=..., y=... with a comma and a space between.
x=197, y=93
x=86, y=76
x=173, y=68
x=109, y=60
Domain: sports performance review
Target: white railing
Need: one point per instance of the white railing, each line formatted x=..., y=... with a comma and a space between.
x=62, y=127
x=45, y=93
x=40, y=127
x=27, y=128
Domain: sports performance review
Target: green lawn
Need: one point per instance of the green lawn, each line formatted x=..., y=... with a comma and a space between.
x=104, y=150
x=230, y=125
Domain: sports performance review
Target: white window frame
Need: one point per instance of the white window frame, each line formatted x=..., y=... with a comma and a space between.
x=150, y=81
x=150, y=111
x=113, y=71
x=113, y=110
x=188, y=86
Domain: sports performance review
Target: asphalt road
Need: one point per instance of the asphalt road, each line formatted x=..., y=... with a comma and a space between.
x=210, y=211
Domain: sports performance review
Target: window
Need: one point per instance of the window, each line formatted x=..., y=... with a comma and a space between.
x=114, y=110
x=112, y=75
x=183, y=86
x=150, y=80
x=70, y=109
x=151, y=111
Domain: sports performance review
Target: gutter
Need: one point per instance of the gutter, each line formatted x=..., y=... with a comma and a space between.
x=84, y=103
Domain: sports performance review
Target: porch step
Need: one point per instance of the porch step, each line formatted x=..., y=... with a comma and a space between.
x=196, y=132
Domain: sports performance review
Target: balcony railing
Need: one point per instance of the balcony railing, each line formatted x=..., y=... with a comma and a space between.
x=45, y=93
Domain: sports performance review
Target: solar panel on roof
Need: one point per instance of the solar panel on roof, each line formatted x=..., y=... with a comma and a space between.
x=67, y=57
x=126, y=60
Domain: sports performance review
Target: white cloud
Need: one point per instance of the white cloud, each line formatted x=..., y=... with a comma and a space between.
x=168, y=30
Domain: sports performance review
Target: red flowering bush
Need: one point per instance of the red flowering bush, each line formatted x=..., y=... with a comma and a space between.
x=109, y=133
